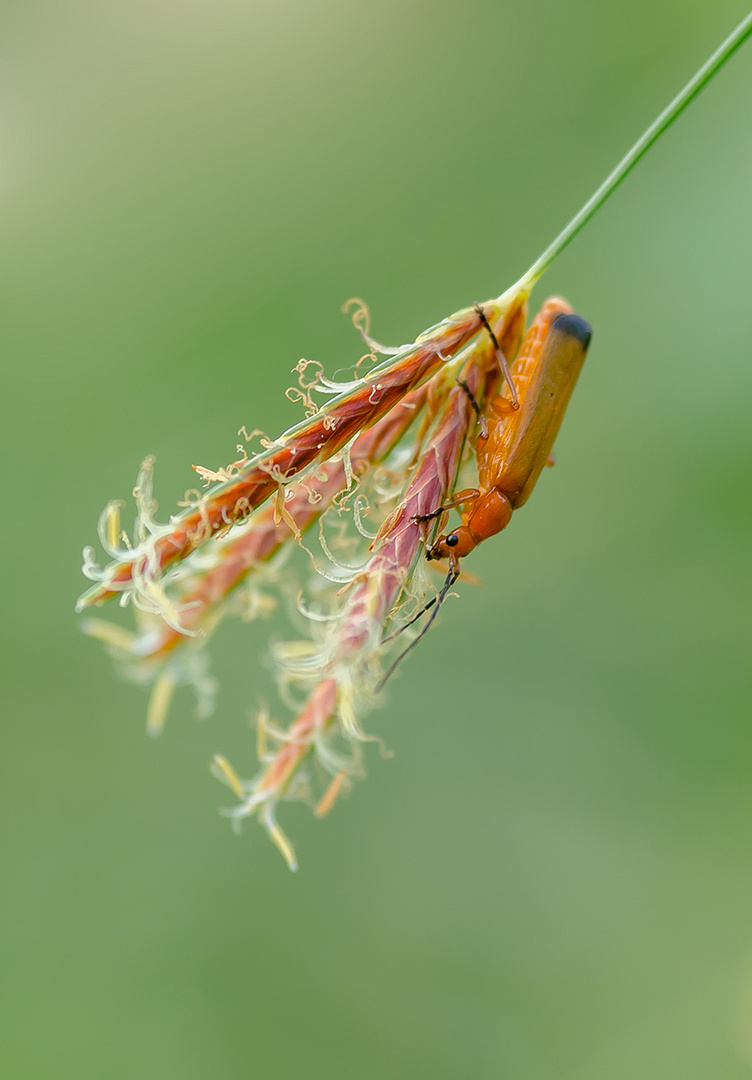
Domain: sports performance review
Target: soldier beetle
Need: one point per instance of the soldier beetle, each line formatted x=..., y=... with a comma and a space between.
x=517, y=435
x=514, y=442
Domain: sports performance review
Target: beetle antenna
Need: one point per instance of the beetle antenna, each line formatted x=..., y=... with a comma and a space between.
x=454, y=573
x=499, y=354
x=423, y=610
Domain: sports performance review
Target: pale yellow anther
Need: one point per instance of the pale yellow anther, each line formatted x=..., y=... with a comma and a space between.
x=112, y=525
x=329, y=797
x=347, y=712
x=262, y=728
x=110, y=634
x=283, y=845
x=278, y=503
x=159, y=704
x=222, y=768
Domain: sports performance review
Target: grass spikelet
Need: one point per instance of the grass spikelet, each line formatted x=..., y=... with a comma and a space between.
x=294, y=453
x=342, y=674
x=164, y=650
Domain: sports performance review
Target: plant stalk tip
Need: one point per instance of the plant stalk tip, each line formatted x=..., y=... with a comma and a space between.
x=651, y=135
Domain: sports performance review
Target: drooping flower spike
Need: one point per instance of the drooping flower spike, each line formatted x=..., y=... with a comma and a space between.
x=170, y=653
x=344, y=669
x=141, y=568
x=352, y=460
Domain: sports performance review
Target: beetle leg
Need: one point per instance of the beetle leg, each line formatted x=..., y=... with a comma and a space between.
x=467, y=495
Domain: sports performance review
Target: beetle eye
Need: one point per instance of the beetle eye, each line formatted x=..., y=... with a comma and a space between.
x=453, y=540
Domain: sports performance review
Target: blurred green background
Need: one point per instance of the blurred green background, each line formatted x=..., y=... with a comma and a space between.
x=552, y=878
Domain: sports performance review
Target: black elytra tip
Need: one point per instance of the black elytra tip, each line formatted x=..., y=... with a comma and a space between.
x=574, y=326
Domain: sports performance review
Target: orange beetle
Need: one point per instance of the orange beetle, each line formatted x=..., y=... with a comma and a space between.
x=515, y=441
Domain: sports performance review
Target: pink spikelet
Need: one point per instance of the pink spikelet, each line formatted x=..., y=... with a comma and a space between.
x=170, y=653
x=295, y=452
x=382, y=453
x=344, y=669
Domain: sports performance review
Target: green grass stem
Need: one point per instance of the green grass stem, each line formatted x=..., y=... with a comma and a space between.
x=651, y=135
